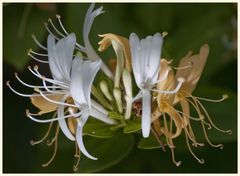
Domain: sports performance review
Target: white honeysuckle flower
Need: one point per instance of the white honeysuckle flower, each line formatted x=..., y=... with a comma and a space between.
x=64, y=85
x=82, y=76
x=146, y=57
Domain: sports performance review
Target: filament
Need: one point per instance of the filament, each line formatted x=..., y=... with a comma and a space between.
x=32, y=142
x=205, y=133
x=39, y=54
x=180, y=82
x=205, y=111
x=18, y=93
x=55, y=148
x=184, y=67
x=39, y=60
x=60, y=22
x=158, y=139
x=38, y=43
x=78, y=156
x=50, y=21
x=201, y=161
x=224, y=97
x=177, y=163
x=30, y=115
x=53, y=101
x=50, y=32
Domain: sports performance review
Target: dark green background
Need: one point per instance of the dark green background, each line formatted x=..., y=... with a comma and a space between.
x=188, y=25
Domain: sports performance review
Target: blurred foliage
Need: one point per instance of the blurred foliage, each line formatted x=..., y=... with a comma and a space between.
x=188, y=26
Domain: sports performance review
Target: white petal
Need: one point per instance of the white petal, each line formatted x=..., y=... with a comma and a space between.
x=92, y=55
x=155, y=55
x=101, y=116
x=60, y=57
x=146, y=113
x=79, y=136
x=135, y=54
x=99, y=107
x=62, y=123
x=82, y=76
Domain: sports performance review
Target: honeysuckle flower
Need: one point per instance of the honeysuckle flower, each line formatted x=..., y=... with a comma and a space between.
x=63, y=92
x=182, y=119
x=146, y=65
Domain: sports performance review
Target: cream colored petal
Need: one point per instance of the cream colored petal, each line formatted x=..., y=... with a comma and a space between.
x=72, y=123
x=193, y=74
x=167, y=84
x=178, y=124
x=123, y=44
x=43, y=105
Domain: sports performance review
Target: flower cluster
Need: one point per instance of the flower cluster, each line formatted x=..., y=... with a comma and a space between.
x=72, y=94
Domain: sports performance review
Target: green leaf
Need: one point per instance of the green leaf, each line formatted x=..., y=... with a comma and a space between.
x=132, y=125
x=108, y=151
x=20, y=21
x=115, y=116
x=98, y=129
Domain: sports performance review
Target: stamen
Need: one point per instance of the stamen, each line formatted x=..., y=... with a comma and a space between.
x=77, y=156
x=201, y=116
x=53, y=101
x=50, y=32
x=184, y=67
x=30, y=115
x=195, y=143
x=224, y=97
x=164, y=34
x=158, y=139
x=50, y=21
x=177, y=163
x=201, y=161
x=32, y=142
x=38, y=43
x=210, y=120
x=169, y=140
x=33, y=57
x=60, y=22
x=163, y=78
x=55, y=148
x=203, y=126
x=180, y=82
x=39, y=54
x=18, y=93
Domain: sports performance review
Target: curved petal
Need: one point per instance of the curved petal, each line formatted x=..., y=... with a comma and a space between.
x=60, y=56
x=62, y=123
x=82, y=76
x=79, y=136
x=101, y=116
x=92, y=55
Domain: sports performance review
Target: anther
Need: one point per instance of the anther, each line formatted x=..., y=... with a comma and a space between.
x=201, y=161
x=35, y=67
x=7, y=83
x=225, y=96
x=58, y=16
x=165, y=33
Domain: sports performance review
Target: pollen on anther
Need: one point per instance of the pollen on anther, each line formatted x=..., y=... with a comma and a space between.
x=225, y=96
x=58, y=16
x=7, y=83
x=35, y=67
